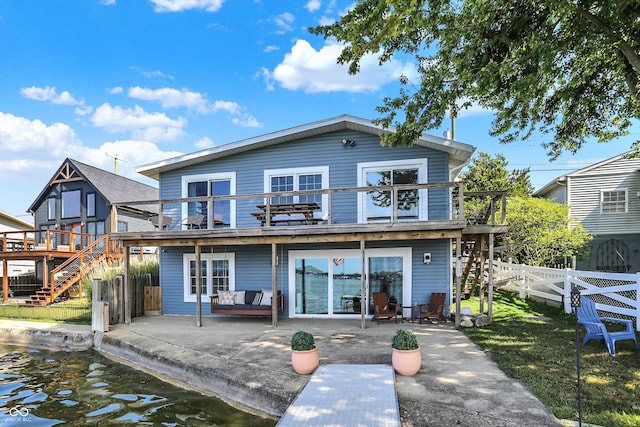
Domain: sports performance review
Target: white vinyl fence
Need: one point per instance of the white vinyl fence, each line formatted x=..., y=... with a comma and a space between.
x=615, y=294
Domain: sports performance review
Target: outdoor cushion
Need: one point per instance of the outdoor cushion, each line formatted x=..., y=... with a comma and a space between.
x=257, y=299
x=226, y=297
x=266, y=297
x=249, y=296
x=239, y=297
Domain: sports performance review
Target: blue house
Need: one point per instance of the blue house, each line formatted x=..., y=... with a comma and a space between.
x=320, y=213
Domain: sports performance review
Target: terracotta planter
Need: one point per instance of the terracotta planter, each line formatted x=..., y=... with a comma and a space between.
x=406, y=362
x=305, y=362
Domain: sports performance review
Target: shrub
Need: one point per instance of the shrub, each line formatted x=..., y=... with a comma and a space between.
x=302, y=341
x=405, y=339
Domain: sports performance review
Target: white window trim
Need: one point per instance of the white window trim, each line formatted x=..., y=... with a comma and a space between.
x=231, y=176
x=322, y=170
x=615, y=190
x=404, y=252
x=421, y=164
x=186, y=258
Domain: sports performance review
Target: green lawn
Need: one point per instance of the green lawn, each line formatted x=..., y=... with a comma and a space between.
x=535, y=343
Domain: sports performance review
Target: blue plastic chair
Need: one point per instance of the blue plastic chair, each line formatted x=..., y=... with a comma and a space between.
x=596, y=329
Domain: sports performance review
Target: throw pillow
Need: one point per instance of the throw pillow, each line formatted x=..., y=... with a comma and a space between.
x=226, y=297
x=239, y=297
x=266, y=297
x=257, y=299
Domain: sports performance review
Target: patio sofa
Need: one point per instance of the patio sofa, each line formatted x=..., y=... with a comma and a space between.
x=245, y=303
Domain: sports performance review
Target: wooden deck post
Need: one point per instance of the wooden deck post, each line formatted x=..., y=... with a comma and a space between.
x=363, y=287
x=274, y=285
x=5, y=280
x=458, y=274
x=490, y=296
x=198, y=288
x=127, y=288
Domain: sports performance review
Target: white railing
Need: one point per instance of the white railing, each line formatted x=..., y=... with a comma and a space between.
x=615, y=294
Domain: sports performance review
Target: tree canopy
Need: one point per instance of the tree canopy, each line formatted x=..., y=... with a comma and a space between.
x=569, y=69
x=539, y=232
x=491, y=174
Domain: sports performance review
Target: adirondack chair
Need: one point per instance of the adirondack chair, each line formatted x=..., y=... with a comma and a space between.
x=596, y=329
x=383, y=310
x=434, y=309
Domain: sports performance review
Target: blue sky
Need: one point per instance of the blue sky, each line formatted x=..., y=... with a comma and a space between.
x=150, y=79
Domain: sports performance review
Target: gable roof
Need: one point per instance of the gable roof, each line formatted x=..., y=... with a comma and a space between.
x=114, y=188
x=459, y=153
x=562, y=179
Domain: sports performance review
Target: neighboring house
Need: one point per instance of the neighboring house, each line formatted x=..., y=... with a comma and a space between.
x=16, y=267
x=73, y=210
x=341, y=204
x=605, y=199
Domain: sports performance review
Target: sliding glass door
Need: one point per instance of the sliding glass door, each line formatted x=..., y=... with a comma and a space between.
x=328, y=283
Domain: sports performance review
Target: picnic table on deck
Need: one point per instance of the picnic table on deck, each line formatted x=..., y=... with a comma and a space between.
x=288, y=213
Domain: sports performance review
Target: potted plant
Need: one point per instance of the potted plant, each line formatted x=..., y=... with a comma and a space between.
x=406, y=357
x=304, y=353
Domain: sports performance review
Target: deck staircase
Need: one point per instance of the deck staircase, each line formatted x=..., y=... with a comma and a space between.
x=72, y=271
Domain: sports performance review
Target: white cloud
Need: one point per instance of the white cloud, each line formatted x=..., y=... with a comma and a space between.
x=228, y=106
x=49, y=94
x=142, y=125
x=174, y=98
x=270, y=48
x=180, y=5
x=247, y=121
x=313, y=5
x=156, y=74
x=171, y=98
x=108, y=2
x=203, y=143
x=131, y=152
x=284, y=21
x=18, y=134
x=116, y=90
x=314, y=71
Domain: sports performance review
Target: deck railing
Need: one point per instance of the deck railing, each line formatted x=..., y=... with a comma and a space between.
x=44, y=240
x=352, y=205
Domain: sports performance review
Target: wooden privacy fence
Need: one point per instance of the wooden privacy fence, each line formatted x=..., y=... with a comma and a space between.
x=145, y=298
x=615, y=294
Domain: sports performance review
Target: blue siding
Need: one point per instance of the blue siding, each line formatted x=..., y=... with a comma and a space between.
x=325, y=150
x=253, y=263
x=253, y=270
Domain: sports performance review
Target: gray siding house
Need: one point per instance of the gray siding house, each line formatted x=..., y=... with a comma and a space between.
x=358, y=216
x=605, y=199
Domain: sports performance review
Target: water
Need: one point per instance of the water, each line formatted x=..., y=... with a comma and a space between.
x=44, y=388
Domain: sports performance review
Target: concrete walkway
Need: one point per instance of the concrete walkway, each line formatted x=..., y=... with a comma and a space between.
x=248, y=362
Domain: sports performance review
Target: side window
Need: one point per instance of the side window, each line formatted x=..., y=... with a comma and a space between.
x=51, y=208
x=217, y=274
x=91, y=204
x=613, y=202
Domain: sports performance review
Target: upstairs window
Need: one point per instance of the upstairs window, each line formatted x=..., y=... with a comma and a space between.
x=51, y=208
x=211, y=185
x=91, y=204
x=613, y=202
x=285, y=180
x=383, y=206
x=70, y=204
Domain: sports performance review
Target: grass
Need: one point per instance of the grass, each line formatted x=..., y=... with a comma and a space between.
x=535, y=343
x=73, y=312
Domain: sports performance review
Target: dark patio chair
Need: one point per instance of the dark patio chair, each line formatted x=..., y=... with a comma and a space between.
x=166, y=222
x=596, y=329
x=193, y=221
x=383, y=310
x=434, y=310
